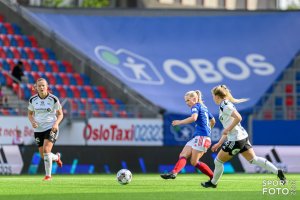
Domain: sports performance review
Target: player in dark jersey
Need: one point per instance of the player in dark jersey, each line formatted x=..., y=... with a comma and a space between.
x=45, y=113
x=237, y=137
x=198, y=145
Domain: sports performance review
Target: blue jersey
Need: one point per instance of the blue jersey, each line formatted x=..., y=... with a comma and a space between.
x=202, y=125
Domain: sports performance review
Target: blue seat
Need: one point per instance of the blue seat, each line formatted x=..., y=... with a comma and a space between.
x=33, y=65
x=2, y=79
x=12, y=40
x=72, y=79
x=83, y=93
x=278, y=101
x=27, y=42
x=17, y=29
x=51, y=54
x=37, y=54
x=22, y=53
x=61, y=67
x=3, y=29
x=5, y=65
x=69, y=92
x=30, y=77
x=8, y=52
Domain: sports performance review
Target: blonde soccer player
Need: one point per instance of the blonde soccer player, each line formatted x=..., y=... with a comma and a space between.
x=236, y=135
x=198, y=145
x=45, y=113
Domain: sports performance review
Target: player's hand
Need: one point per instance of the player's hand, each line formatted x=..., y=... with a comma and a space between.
x=175, y=122
x=215, y=147
x=34, y=124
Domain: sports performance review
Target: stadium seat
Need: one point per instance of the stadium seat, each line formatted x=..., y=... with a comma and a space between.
x=51, y=78
x=40, y=64
x=4, y=64
x=36, y=75
x=29, y=76
x=61, y=67
x=9, y=28
x=27, y=42
x=36, y=52
x=32, y=41
x=68, y=66
x=23, y=53
x=89, y=91
x=2, y=52
x=83, y=93
x=69, y=91
x=33, y=65
x=16, y=53
x=20, y=41
x=75, y=91
x=4, y=41
x=62, y=91
x=43, y=53
x=50, y=54
x=30, y=53
x=65, y=79
x=289, y=101
x=12, y=41
x=54, y=66
x=9, y=80
x=78, y=78
x=72, y=79
x=278, y=101
x=27, y=66
x=289, y=88
x=16, y=29
x=8, y=52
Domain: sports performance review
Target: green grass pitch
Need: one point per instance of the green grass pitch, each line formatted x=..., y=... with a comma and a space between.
x=142, y=187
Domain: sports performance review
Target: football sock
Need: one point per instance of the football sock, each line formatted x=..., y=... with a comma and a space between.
x=219, y=168
x=264, y=163
x=54, y=157
x=179, y=165
x=48, y=163
x=204, y=169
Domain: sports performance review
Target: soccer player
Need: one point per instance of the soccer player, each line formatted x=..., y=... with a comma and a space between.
x=45, y=114
x=198, y=145
x=236, y=135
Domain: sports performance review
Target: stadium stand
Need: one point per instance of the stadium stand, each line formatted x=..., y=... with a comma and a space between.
x=282, y=102
x=84, y=98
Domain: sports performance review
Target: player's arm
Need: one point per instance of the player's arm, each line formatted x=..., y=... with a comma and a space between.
x=60, y=116
x=237, y=118
x=188, y=120
x=212, y=122
x=31, y=119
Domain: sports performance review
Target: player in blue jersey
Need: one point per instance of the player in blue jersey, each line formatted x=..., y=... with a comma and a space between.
x=198, y=145
x=237, y=137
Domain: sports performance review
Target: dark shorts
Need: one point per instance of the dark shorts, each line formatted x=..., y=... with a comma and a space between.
x=235, y=147
x=41, y=136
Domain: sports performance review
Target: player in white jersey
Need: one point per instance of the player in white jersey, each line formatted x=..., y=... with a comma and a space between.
x=237, y=138
x=45, y=113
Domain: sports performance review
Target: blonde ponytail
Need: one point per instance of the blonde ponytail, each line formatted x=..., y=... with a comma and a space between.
x=195, y=93
x=223, y=92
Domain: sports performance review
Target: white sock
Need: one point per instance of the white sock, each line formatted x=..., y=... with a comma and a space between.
x=48, y=163
x=54, y=157
x=264, y=163
x=219, y=168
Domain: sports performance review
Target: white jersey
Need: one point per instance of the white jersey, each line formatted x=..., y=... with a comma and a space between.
x=44, y=111
x=238, y=132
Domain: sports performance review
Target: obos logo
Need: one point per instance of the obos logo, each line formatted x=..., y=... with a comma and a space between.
x=130, y=66
x=182, y=133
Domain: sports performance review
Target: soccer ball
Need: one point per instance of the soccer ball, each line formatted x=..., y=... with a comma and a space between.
x=124, y=176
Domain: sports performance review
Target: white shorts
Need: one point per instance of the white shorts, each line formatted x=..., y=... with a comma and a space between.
x=200, y=143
